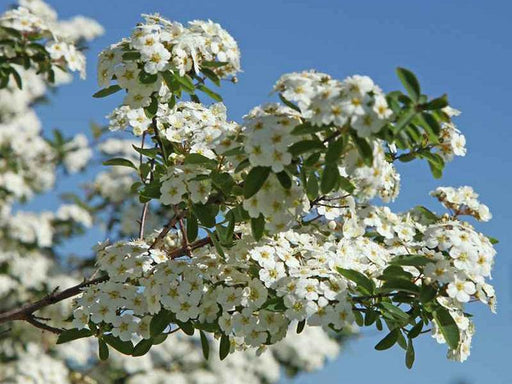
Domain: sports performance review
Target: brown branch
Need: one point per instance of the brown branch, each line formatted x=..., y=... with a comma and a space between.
x=36, y=323
x=166, y=229
x=26, y=311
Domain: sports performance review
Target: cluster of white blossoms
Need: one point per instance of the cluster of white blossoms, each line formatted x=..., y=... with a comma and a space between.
x=28, y=240
x=163, y=48
x=267, y=135
x=34, y=18
x=463, y=201
x=324, y=101
x=295, y=184
x=281, y=207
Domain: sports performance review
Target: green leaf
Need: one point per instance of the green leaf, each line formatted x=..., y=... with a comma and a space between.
x=409, y=354
x=411, y=260
x=288, y=103
x=493, y=240
x=438, y=103
x=312, y=186
x=206, y=213
x=393, y=311
x=102, y=350
x=215, y=96
x=187, y=328
x=73, y=334
x=346, y=184
x=213, y=64
x=404, y=119
x=257, y=227
x=225, y=346
x=152, y=153
x=142, y=347
x=427, y=214
x=447, y=326
x=362, y=281
x=330, y=177
x=300, y=326
x=410, y=82
x=388, y=341
x=427, y=293
x=284, y=179
x=17, y=78
x=192, y=227
x=125, y=347
x=211, y=75
x=120, y=162
x=205, y=345
x=364, y=149
x=400, y=285
x=304, y=146
x=196, y=158
x=170, y=81
x=216, y=243
x=160, y=322
x=147, y=78
x=159, y=339
x=255, y=180
x=334, y=150
x=186, y=82
x=131, y=55
x=416, y=330
x=107, y=91
x=223, y=181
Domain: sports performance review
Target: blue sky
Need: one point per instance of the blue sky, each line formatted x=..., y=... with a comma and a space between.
x=458, y=47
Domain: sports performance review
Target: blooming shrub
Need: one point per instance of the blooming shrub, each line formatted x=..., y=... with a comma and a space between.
x=276, y=225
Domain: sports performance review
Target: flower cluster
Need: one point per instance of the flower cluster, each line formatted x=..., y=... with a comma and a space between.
x=463, y=201
x=160, y=49
x=324, y=101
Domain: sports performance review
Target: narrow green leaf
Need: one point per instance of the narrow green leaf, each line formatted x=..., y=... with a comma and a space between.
x=255, y=180
x=447, y=326
x=410, y=82
x=330, y=177
x=196, y=158
x=300, y=326
x=257, y=227
x=225, y=346
x=361, y=280
x=394, y=311
x=288, y=103
x=215, y=96
x=438, y=103
x=284, y=179
x=73, y=334
x=120, y=162
x=409, y=355
x=102, y=350
x=205, y=345
x=334, y=150
x=192, y=227
x=388, y=341
x=187, y=328
x=346, y=184
x=364, y=149
x=107, y=91
x=411, y=260
x=206, y=213
x=160, y=322
x=142, y=347
x=312, y=186
x=125, y=347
